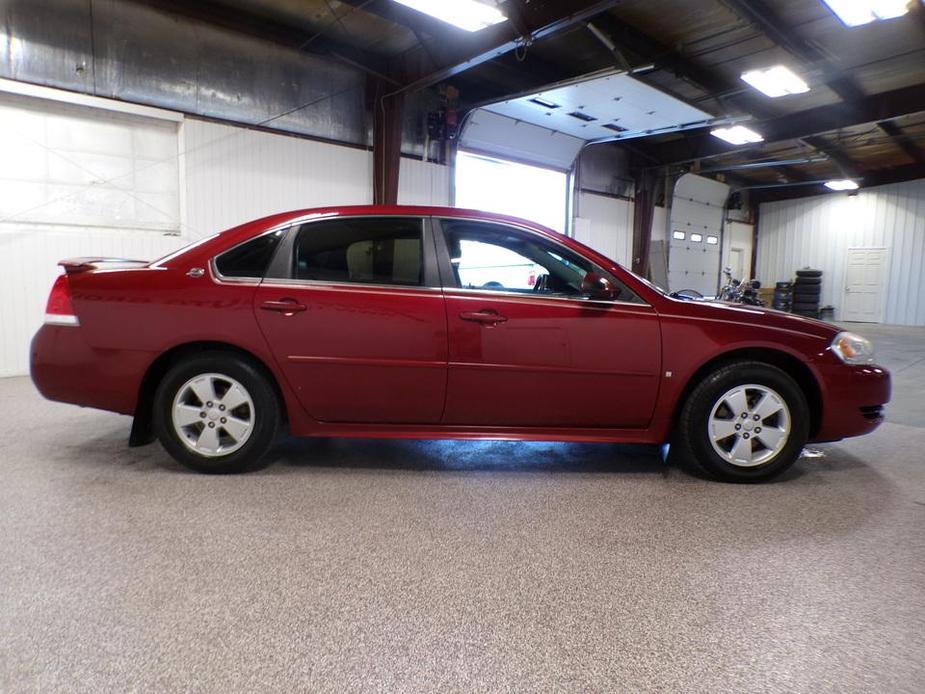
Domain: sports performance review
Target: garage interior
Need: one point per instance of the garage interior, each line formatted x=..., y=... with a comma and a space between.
x=131, y=128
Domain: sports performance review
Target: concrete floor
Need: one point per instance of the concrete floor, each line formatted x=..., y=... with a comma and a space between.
x=435, y=566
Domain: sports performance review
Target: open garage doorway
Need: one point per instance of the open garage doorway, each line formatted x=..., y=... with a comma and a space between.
x=496, y=185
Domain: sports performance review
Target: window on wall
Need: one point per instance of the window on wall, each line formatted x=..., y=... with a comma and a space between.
x=80, y=166
x=495, y=185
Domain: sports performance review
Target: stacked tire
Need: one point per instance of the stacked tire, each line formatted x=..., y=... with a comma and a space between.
x=783, y=296
x=806, y=291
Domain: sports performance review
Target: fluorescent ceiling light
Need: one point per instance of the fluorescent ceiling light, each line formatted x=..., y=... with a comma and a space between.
x=857, y=12
x=841, y=184
x=470, y=15
x=775, y=81
x=737, y=135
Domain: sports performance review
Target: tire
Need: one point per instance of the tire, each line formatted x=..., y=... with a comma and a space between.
x=783, y=285
x=809, y=273
x=799, y=306
x=808, y=282
x=806, y=295
x=707, y=410
x=243, y=433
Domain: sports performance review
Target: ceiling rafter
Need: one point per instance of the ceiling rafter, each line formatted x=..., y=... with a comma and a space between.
x=815, y=121
x=903, y=141
x=460, y=51
x=647, y=49
x=759, y=13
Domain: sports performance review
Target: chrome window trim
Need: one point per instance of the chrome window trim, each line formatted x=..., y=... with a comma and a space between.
x=219, y=278
x=497, y=293
x=533, y=232
x=296, y=283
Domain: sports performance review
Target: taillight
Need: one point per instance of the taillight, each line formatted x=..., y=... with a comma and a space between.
x=60, y=309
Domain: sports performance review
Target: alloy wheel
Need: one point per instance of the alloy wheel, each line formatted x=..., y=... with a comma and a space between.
x=749, y=425
x=213, y=414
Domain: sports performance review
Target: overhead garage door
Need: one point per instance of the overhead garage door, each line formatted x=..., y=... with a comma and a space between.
x=695, y=234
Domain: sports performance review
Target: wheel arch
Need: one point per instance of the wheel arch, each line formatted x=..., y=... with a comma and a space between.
x=785, y=361
x=142, y=432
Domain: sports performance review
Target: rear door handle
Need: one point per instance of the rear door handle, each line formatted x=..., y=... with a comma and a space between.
x=486, y=317
x=286, y=306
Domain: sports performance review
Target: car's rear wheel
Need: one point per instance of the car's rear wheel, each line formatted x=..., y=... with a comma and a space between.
x=744, y=422
x=216, y=413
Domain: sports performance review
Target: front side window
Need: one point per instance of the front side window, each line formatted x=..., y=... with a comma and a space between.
x=384, y=250
x=500, y=258
x=249, y=260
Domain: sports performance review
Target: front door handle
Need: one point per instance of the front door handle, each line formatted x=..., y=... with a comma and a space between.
x=486, y=317
x=285, y=306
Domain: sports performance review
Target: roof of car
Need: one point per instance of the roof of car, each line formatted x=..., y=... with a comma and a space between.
x=414, y=210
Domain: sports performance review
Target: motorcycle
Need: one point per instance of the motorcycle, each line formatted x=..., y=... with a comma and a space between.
x=739, y=292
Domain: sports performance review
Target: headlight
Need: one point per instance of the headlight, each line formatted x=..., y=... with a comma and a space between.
x=852, y=348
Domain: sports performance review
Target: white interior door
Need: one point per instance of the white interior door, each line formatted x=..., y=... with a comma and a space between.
x=865, y=279
x=737, y=262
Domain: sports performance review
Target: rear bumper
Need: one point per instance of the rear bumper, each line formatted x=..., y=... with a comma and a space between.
x=67, y=369
x=852, y=401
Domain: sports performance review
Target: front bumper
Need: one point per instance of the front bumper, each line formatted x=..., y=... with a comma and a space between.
x=853, y=400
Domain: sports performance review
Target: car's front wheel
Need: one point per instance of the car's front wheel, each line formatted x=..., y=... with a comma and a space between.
x=216, y=413
x=744, y=422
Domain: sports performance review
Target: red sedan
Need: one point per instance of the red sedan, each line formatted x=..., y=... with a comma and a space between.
x=420, y=322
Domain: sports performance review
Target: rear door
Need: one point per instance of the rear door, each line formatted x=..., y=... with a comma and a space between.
x=527, y=348
x=354, y=314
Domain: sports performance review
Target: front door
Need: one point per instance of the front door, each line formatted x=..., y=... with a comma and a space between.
x=356, y=320
x=527, y=349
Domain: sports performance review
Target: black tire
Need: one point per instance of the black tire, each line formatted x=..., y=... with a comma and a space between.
x=809, y=273
x=808, y=282
x=799, y=306
x=783, y=285
x=691, y=445
x=782, y=296
x=807, y=295
x=264, y=416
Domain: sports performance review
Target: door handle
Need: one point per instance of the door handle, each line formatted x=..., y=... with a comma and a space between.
x=286, y=306
x=486, y=317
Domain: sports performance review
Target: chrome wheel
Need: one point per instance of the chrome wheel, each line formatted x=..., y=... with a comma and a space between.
x=213, y=414
x=749, y=425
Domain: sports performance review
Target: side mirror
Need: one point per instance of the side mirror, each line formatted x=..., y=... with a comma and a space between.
x=598, y=287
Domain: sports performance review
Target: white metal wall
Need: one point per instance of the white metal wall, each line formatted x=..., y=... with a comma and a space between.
x=423, y=183
x=818, y=231
x=234, y=175
x=608, y=227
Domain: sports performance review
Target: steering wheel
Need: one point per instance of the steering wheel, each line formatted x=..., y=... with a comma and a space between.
x=542, y=283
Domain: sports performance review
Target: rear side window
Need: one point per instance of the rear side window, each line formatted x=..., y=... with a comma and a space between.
x=384, y=250
x=250, y=259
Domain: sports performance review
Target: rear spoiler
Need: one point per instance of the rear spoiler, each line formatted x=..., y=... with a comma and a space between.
x=74, y=265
